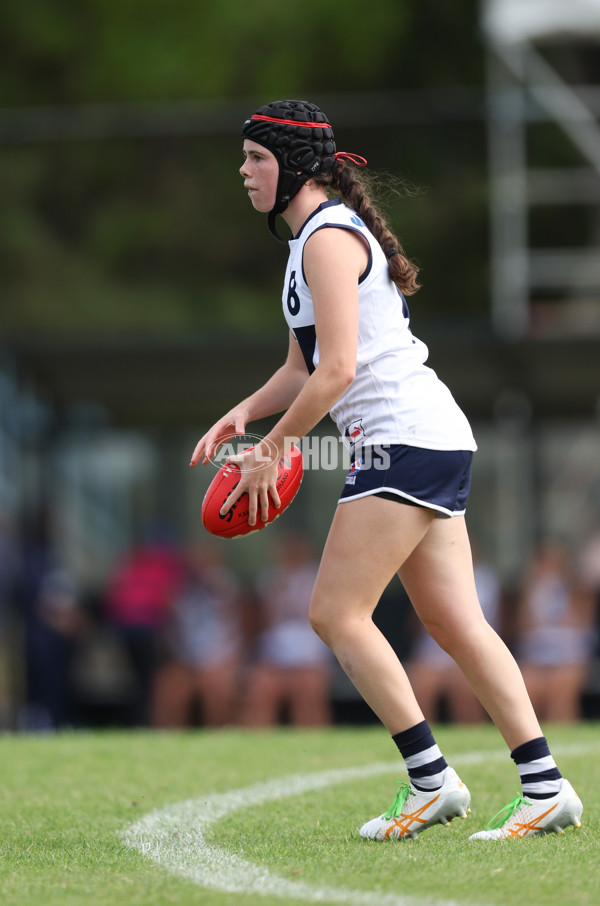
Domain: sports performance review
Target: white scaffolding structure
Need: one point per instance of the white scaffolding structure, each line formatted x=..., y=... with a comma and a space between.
x=523, y=88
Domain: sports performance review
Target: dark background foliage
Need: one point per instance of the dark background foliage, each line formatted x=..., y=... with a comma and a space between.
x=122, y=210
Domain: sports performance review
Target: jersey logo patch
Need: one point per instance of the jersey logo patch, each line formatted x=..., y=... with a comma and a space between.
x=355, y=431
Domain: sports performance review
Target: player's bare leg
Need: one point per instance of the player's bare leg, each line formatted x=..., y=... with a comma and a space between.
x=369, y=538
x=434, y=557
x=438, y=577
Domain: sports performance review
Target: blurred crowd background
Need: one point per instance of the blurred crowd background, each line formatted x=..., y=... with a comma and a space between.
x=140, y=298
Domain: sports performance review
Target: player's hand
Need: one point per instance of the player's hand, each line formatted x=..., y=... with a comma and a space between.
x=231, y=425
x=258, y=479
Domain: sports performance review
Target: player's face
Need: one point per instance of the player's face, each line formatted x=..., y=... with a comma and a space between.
x=261, y=173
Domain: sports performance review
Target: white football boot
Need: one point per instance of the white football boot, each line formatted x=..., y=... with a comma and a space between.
x=413, y=811
x=533, y=817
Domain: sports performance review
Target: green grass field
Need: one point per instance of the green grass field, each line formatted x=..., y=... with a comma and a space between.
x=68, y=801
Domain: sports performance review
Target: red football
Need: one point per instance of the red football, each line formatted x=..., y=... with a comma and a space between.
x=235, y=522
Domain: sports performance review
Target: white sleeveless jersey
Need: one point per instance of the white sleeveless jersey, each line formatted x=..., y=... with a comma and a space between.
x=395, y=397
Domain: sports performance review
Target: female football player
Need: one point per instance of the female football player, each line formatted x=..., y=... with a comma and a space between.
x=352, y=354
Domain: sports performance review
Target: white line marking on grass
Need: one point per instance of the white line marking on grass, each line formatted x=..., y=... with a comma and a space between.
x=174, y=837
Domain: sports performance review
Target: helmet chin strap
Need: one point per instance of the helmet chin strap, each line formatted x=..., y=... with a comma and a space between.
x=288, y=185
x=271, y=218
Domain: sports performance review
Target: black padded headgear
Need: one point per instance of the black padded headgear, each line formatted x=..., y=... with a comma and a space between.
x=301, y=139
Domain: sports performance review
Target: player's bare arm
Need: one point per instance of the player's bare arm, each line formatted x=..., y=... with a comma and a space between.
x=333, y=262
x=274, y=396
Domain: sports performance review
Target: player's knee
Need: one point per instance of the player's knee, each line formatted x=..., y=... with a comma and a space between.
x=320, y=626
x=441, y=634
x=321, y=621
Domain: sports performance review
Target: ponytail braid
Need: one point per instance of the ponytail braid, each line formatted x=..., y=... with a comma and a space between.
x=352, y=187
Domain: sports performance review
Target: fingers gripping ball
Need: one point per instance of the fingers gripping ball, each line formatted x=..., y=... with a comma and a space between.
x=235, y=522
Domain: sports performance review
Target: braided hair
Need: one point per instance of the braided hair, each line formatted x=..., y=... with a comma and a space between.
x=355, y=191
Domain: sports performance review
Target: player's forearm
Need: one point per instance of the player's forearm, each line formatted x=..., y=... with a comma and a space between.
x=320, y=392
x=277, y=394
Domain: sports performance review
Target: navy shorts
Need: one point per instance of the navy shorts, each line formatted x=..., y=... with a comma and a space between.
x=438, y=479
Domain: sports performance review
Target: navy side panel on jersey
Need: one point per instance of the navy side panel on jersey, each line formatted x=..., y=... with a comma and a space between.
x=307, y=340
x=405, y=310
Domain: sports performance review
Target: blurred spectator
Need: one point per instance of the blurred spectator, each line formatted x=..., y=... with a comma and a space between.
x=590, y=575
x=202, y=645
x=555, y=634
x=137, y=601
x=53, y=623
x=436, y=679
x=290, y=673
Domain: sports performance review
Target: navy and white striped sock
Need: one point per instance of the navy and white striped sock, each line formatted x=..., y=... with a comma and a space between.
x=423, y=759
x=539, y=775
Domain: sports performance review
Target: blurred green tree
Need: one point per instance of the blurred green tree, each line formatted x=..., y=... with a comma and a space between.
x=122, y=209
